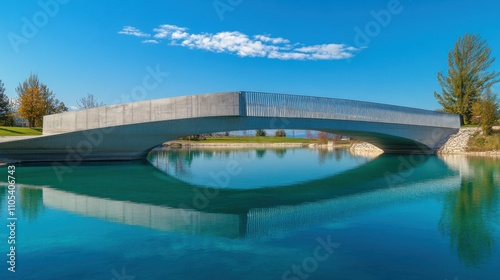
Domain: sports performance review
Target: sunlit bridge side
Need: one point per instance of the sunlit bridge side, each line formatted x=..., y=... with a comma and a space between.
x=131, y=130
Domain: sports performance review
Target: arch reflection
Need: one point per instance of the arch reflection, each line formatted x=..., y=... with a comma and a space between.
x=253, y=168
x=141, y=186
x=138, y=194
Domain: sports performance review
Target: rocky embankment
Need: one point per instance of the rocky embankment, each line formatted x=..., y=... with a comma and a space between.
x=457, y=143
x=364, y=147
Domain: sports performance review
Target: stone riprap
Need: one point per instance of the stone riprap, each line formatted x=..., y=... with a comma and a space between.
x=457, y=143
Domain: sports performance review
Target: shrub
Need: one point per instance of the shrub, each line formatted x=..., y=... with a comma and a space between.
x=260, y=132
x=280, y=133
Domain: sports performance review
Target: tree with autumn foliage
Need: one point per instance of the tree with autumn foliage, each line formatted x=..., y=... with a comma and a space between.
x=32, y=106
x=485, y=111
x=37, y=100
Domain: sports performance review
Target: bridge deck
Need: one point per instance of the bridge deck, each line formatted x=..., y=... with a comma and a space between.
x=129, y=131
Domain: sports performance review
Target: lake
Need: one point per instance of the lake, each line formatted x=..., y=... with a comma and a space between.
x=289, y=213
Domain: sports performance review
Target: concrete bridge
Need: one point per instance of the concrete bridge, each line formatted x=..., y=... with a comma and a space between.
x=131, y=130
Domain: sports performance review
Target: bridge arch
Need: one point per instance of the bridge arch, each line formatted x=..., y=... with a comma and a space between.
x=131, y=130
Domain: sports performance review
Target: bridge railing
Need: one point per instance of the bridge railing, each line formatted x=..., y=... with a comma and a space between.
x=261, y=104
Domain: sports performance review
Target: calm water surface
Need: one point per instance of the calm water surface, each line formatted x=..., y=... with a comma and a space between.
x=257, y=214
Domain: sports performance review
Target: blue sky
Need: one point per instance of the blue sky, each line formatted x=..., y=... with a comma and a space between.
x=321, y=48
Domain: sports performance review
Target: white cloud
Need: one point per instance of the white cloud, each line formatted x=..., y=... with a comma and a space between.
x=172, y=31
x=327, y=51
x=129, y=30
x=240, y=44
x=268, y=39
x=288, y=55
x=150, y=42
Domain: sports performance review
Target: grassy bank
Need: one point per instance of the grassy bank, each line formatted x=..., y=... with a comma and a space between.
x=260, y=140
x=19, y=131
x=480, y=143
x=254, y=139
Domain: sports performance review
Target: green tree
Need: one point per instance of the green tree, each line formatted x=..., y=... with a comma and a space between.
x=468, y=76
x=485, y=110
x=280, y=133
x=5, y=107
x=260, y=132
x=51, y=105
x=88, y=102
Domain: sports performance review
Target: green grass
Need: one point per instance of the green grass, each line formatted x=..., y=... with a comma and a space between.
x=19, y=131
x=255, y=139
x=480, y=143
x=469, y=125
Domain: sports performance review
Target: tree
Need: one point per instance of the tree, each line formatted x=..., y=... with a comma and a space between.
x=485, y=111
x=5, y=107
x=322, y=137
x=88, y=102
x=280, y=133
x=260, y=132
x=310, y=135
x=32, y=106
x=29, y=105
x=468, y=76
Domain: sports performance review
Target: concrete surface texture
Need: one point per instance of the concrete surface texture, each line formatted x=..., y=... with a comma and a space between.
x=131, y=130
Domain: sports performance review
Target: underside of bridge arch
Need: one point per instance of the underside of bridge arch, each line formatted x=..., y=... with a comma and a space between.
x=392, y=138
x=134, y=141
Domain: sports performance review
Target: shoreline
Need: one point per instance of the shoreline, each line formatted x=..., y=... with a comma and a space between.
x=183, y=144
x=474, y=154
x=354, y=147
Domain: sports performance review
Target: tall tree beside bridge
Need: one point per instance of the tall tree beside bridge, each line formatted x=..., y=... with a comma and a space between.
x=468, y=76
x=36, y=101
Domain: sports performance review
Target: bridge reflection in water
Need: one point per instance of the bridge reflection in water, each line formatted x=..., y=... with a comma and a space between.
x=156, y=200
x=465, y=190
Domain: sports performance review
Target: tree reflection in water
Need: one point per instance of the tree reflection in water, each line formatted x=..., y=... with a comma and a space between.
x=177, y=161
x=469, y=214
x=280, y=152
x=3, y=194
x=260, y=153
x=31, y=202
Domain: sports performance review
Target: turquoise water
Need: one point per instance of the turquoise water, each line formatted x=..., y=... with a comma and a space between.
x=257, y=214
